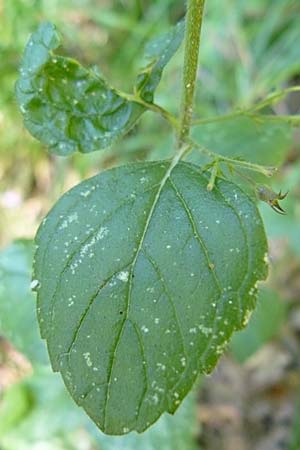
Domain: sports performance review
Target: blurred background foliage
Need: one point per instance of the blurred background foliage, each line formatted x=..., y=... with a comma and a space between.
x=248, y=50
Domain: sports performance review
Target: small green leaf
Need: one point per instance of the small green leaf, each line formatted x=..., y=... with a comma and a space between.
x=158, y=53
x=67, y=107
x=143, y=276
x=17, y=302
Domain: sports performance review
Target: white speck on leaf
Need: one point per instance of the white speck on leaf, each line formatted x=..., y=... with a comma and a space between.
x=123, y=276
x=87, y=357
x=35, y=285
x=205, y=330
x=70, y=219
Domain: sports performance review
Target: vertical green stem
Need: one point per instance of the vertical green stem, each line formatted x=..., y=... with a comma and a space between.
x=190, y=65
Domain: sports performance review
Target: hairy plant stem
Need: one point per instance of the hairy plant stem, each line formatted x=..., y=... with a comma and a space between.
x=194, y=18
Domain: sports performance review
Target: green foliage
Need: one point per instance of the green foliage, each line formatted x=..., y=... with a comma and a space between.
x=251, y=139
x=277, y=37
x=67, y=107
x=158, y=53
x=253, y=52
x=17, y=303
x=295, y=438
x=70, y=108
x=263, y=325
x=170, y=433
x=114, y=238
x=286, y=229
x=14, y=406
x=166, y=305
x=38, y=409
x=47, y=413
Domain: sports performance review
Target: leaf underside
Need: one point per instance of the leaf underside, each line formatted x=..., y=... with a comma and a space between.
x=143, y=277
x=66, y=106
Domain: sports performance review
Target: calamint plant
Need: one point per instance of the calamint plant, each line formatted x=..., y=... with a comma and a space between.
x=144, y=271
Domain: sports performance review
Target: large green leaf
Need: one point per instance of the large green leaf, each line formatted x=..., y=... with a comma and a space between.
x=158, y=53
x=66, y=106
x=18, y=321
x=143, y=276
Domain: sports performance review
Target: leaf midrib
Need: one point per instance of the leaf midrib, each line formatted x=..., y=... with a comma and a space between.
x=162, y=184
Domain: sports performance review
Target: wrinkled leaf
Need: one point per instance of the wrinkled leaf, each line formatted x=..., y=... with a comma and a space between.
x=18, y=321
x=143, y=276
x=158, y=53
x=67, y=107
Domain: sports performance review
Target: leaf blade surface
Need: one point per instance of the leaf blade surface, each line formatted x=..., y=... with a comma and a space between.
x=144, y=275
